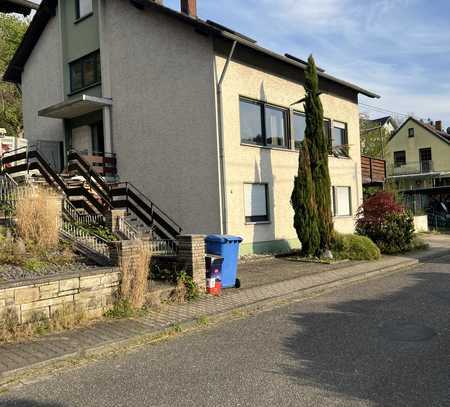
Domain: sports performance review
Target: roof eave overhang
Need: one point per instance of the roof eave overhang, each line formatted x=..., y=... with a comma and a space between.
x=14, y=70
x=290, y=61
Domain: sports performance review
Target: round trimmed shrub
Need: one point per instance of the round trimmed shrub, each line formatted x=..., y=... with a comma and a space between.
x=354, y=247
x=387, y=223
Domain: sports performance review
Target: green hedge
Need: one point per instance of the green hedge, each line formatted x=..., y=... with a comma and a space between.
x=354, y=247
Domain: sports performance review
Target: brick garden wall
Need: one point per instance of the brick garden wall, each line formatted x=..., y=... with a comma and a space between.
x=94, y=293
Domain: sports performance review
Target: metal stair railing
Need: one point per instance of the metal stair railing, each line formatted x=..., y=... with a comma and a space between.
x=28, y=158
x=163, y=247
x=78, y=164
x=90, y=241
x=83, y=219
x=126, y=229
x=131, y=198
x=8, y=189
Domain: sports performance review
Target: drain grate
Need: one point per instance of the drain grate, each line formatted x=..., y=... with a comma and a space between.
x=407, y=332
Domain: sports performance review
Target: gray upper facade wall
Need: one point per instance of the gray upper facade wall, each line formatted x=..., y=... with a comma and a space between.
x=161, y=80
x=42, y=86
x=80, y=38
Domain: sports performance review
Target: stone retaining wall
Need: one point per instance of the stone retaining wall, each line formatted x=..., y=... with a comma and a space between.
x=93, y=293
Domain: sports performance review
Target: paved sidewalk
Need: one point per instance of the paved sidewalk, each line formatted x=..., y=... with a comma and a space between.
x=15, y=359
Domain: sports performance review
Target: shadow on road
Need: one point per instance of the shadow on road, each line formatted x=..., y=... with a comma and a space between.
x=393, y=350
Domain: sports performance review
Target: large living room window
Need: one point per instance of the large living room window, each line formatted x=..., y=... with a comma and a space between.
x=85, y=72
x=84, y=8
x=263, y=124
x=342, y=199
x=256, y=203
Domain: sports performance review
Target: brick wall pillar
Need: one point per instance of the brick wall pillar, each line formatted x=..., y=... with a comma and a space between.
x=112, y=218
x=191, y=257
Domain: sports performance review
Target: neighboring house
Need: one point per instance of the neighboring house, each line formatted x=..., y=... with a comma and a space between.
x=387, y=123
x=199, y=117
x=419, y=165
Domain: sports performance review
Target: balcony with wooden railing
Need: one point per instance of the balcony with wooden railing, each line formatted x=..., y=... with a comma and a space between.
x=373, y=170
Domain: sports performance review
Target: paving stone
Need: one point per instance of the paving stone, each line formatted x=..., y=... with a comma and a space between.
x=19, y=355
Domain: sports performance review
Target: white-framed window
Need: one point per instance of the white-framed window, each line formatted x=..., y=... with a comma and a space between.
x=84, y=8
x=342, y=201
x=256, y=203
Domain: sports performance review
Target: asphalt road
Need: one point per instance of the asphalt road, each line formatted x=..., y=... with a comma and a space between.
x=385, y=342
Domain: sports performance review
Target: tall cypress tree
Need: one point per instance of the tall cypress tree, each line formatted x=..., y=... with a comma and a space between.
x=304, y=204
x=318, y=146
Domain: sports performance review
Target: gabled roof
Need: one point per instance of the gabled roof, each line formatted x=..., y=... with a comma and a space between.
x=48, y=7
x=384, y=120
x=46, y=11
x=17, y=6
x=380, y=122
x=440, y=134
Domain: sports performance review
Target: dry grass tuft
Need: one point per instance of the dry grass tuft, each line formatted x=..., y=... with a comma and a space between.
x=66, y=317
x=37, y=212
x=180, y=293
x=135, y=271
x=153, y=300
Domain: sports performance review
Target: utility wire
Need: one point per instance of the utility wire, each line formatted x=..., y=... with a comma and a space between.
x=379, y=109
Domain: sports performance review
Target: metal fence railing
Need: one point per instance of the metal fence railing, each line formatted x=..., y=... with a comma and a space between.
x=81, y=218
x=126, y=229
x=165, y=247
x=86, y=238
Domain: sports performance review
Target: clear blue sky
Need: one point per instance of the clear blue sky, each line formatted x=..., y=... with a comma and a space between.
x=399, y=49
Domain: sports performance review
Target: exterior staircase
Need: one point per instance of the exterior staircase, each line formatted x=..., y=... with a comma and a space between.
x=88, y=199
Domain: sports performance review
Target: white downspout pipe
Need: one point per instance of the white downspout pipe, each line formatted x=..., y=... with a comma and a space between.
x=222, y=169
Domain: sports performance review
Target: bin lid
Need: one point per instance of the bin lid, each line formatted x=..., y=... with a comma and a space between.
x=223, y=238
x=213, y=257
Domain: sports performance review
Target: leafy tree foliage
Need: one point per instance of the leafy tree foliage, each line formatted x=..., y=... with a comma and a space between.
x=374, y=140
x=12, y=29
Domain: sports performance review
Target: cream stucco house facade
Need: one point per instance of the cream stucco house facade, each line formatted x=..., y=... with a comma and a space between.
x=200, y=118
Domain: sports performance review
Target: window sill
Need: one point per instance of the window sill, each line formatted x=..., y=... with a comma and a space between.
x=83, y=89
x=268, y=147
x=80, y=19
x=263, y=222
x=343, y=217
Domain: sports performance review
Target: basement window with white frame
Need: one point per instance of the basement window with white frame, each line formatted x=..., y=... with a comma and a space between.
x=342, y=198
x=256, y=203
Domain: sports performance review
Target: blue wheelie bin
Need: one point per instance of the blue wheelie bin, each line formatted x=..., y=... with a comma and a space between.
x=226, y=246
